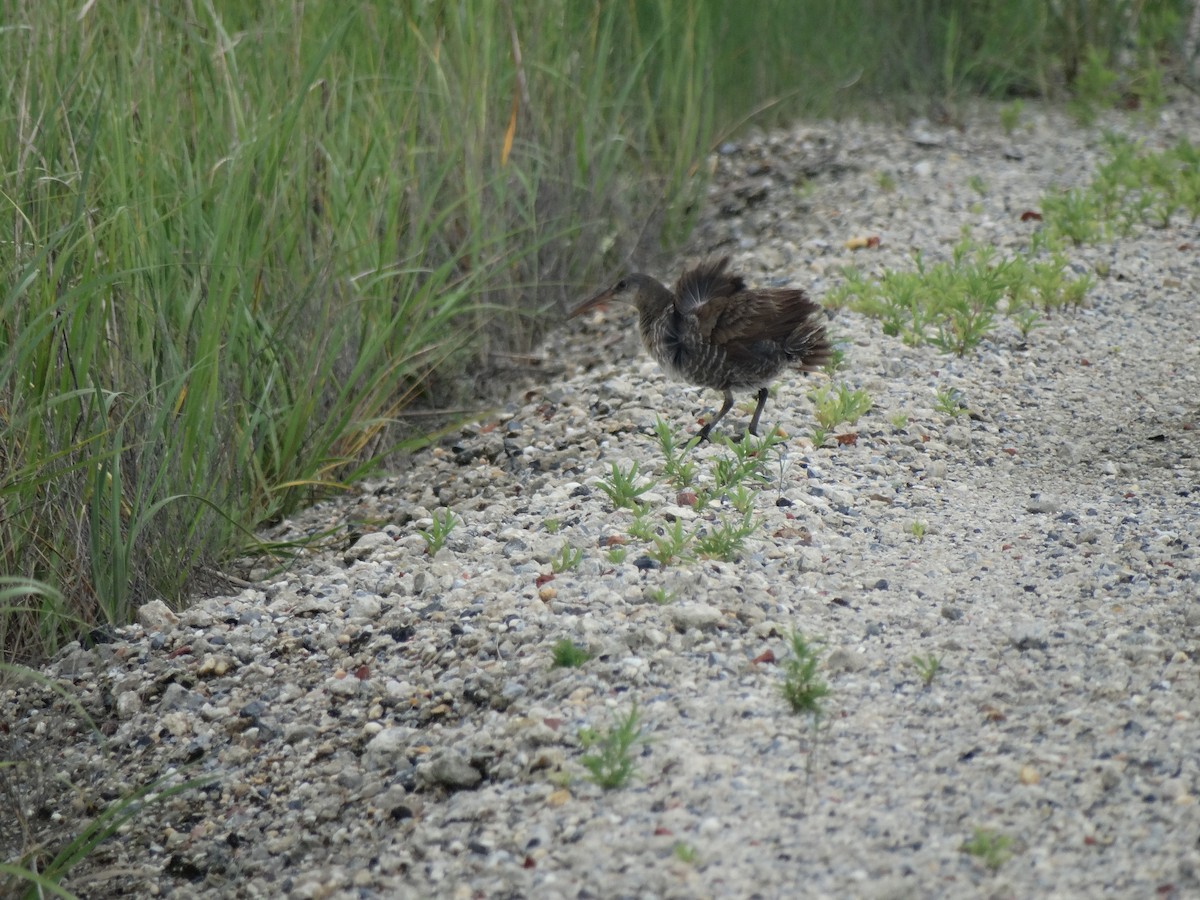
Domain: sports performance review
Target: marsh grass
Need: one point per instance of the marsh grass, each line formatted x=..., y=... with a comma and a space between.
x=242, y=243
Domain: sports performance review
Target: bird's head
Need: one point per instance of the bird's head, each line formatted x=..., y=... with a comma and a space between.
x=642, y=291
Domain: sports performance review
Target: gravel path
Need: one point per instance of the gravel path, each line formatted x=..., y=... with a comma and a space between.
x=381, y=724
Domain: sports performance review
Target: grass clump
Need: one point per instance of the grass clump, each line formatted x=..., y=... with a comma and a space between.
x=442, y=523
x=568, y=558
x=567, y=655
x=949, y=401
x=624, y=486
x=241, y=244
x=927, y=666
x=803, y=688
x=609, y=760
x=990, y=847
x=838, y=405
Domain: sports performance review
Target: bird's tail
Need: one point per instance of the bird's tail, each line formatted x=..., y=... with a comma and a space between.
x=808, y=345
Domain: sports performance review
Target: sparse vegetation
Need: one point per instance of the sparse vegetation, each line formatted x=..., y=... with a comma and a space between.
x=833, y=406
x=443, y=522
x=624, y=486
x=917, y=528
x=567, y=655
x=660, y=596
x=927, y=666
x=1010, y=116
x=990, y=847
x=568, y=558
x=949, y=401
x=803, y=688
x=609, y=759
x=685, y=853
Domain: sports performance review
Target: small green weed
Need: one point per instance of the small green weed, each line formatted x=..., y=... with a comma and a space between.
x=616, y=554
x=917, y=528
x=899, y=421
x=670, y=545
x=989, y=846
x=726, y=539
x=1095, y=87
x=660, y=596
x=837, y=359
x=685, y=853
x=978, y=185
x=568, y=558
x=679, y=471
x=443, y=522
x=623, y=488
x=641, y=527
x=803, y=688
x=949, y=401
x=927, y=667
x=567, y=655
x=835, y=405
x=551, y=526
x=610, y=763
x=1010, y=116
x=886, y=181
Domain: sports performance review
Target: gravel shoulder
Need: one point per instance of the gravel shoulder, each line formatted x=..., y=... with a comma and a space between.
x=378, y=723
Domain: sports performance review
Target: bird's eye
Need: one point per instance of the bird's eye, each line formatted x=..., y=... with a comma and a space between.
x=621, y=285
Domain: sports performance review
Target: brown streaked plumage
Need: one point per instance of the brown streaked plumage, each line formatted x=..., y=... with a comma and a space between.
x=715, y=332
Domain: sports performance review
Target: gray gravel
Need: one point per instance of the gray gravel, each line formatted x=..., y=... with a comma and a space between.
x=381, y=724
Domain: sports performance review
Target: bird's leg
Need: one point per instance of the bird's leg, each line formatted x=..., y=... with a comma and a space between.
x=725, y=407
x=762, y=401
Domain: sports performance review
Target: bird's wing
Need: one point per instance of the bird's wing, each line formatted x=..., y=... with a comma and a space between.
x=709, y=281
x=743, y=324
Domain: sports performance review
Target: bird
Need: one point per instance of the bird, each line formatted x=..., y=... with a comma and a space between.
x=713, y=331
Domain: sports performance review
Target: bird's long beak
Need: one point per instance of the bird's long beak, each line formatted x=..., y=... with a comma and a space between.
x=592, y=302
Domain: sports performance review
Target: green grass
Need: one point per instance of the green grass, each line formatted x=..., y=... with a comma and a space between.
x=240, y=245
x=568, y=558
x=609, y=760
x=990, y=847
x=566, y=655
x=442, y=523
x=927, y=666
x=803, y=688
x=624, y=486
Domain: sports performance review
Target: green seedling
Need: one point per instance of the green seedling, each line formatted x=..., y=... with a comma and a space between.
x=670, y=544
x=833, y=406
x=991, y=847
x=949, y=401
x=623, y=488
x=685, y=853
x=917, y=528
x=1010, y=116
x=568, y=558
x=567, y=655
x=616, y=554
x=609, y=761
x=803, y=689
x=439, y=530
x=660, y=596
x=726, y=539
x=927, y=667
x=551, y=526
x=678, y=470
